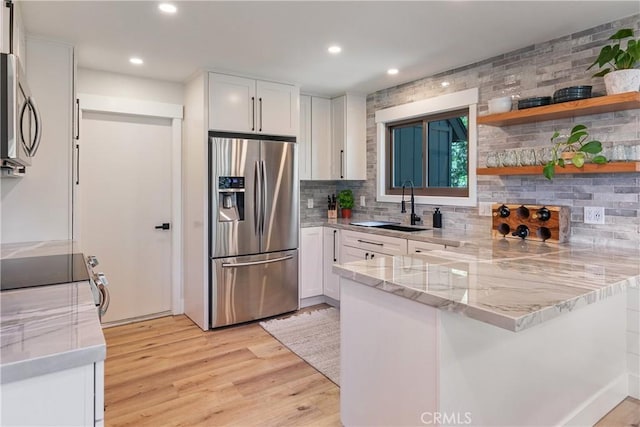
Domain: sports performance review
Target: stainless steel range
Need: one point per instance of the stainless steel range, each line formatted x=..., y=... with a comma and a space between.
x=253, y=220
x=36, y=271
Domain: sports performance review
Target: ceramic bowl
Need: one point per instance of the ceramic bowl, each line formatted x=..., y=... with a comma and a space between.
x=500, y=105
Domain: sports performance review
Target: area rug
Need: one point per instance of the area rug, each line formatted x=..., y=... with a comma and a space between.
x=314, y=336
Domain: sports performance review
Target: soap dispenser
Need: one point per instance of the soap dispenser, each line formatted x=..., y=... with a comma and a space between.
x=437, y=218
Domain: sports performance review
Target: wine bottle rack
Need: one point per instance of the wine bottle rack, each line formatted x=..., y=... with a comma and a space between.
x=506, y=218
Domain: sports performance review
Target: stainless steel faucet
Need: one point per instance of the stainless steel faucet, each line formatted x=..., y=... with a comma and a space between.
x=415, y=219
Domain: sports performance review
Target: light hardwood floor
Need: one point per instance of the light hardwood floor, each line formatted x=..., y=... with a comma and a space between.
x=168, y=371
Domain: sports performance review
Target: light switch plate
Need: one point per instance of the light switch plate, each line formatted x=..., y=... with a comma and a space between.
x=362, y=201
x=310, y=203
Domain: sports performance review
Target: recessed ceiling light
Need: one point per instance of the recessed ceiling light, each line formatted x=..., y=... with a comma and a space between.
x=136, y=61
x=444, y=84
x=167, y=8
x=334, y=49
x=392, y=71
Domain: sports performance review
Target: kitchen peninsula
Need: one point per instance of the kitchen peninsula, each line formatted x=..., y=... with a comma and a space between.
x=494, y=333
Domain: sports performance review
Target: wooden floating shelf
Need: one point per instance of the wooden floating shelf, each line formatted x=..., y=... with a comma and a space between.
x=598, y=105
x=614, y=167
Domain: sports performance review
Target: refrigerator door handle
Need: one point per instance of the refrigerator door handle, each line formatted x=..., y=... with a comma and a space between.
x=257, y=196
x=247, y=264
x=263, y=178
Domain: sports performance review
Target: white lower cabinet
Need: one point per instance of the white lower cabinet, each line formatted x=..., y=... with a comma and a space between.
x=416, y=247
x=374, y=243
x=72, y=397
x=331, y=255
x=311, y=262
x=350, y=254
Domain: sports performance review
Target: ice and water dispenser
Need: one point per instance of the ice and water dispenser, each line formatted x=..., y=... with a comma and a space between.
x=230, y=198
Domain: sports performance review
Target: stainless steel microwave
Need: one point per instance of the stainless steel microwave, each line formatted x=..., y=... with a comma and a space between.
x=20, y=122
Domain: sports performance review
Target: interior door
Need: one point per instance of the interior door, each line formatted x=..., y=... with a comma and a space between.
x=280, y=187
x=124, y=193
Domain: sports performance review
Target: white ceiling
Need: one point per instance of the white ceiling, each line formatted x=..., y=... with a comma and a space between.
x=287, y=41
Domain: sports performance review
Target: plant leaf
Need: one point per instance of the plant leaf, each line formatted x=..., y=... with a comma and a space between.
x=591, y=147
x=576, y=128
x=622, y=34
x=599, y=160
x=555, y=135
x=560, y=162
x=575, y=137
x=549, y=171
x=578, y=160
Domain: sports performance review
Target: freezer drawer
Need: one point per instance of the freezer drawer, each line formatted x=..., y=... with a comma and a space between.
x=253, y=287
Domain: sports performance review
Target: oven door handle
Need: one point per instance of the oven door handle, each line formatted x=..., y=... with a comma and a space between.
x=105, y=299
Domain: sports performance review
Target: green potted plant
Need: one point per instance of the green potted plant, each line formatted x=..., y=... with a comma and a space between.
x=573, y=149
x=345, y=199
x=618, y=64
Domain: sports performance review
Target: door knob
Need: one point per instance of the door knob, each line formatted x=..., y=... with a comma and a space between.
x=163, y=226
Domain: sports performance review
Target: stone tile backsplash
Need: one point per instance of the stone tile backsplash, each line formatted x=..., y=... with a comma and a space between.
x=536, y=70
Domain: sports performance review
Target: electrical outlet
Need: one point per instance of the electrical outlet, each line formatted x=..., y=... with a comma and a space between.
x=310, y=203
x=593, y=215
x=484, y=208
x=362, y=201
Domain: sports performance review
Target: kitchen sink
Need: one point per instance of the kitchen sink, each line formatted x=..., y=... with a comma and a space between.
x=389, y=226
x=397, y=227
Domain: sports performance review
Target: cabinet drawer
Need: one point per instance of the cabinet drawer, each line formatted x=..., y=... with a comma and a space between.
x=372, y=242
x=414, y=246
x=351, y=254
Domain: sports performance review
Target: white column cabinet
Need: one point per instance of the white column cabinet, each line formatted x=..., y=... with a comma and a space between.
x=331, y=255
x=38, y=207
x=304, y=139
x=239, y=104
x=311, y=262
x=315, y=136
x=349, y=140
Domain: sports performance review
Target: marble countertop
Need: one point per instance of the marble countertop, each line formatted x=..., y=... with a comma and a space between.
x=507, y=283
x=438, y=235
x=31, y=249
x=48, y=328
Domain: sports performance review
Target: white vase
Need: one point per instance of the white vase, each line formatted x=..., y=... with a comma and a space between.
x=622, y=81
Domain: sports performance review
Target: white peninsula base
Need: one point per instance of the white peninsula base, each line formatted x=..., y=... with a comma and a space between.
x=404, y=363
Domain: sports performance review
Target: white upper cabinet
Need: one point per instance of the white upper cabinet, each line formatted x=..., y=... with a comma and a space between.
x=239, y=104
x=320, y=138
x=304, y=139
x=315, y=138
x=232, y=103
x=349, y=154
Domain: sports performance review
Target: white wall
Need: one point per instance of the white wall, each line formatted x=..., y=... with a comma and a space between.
x=38, y=206
x=123, y=86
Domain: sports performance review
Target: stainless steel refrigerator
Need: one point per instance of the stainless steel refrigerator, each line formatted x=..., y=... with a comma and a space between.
x=253, y=219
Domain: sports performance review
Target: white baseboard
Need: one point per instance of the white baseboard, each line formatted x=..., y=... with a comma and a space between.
x=308, y=302
x=319, y=299
x=634, y=385
x=136, y=319
x=597, y=406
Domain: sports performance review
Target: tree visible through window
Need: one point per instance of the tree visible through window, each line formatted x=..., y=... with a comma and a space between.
x=431, y=153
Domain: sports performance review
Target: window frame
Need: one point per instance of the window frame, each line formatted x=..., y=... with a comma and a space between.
x=423, y=190
x=457, y=101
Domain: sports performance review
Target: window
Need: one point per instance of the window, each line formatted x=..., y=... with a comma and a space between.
x=432, y=144
x=431, y=153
